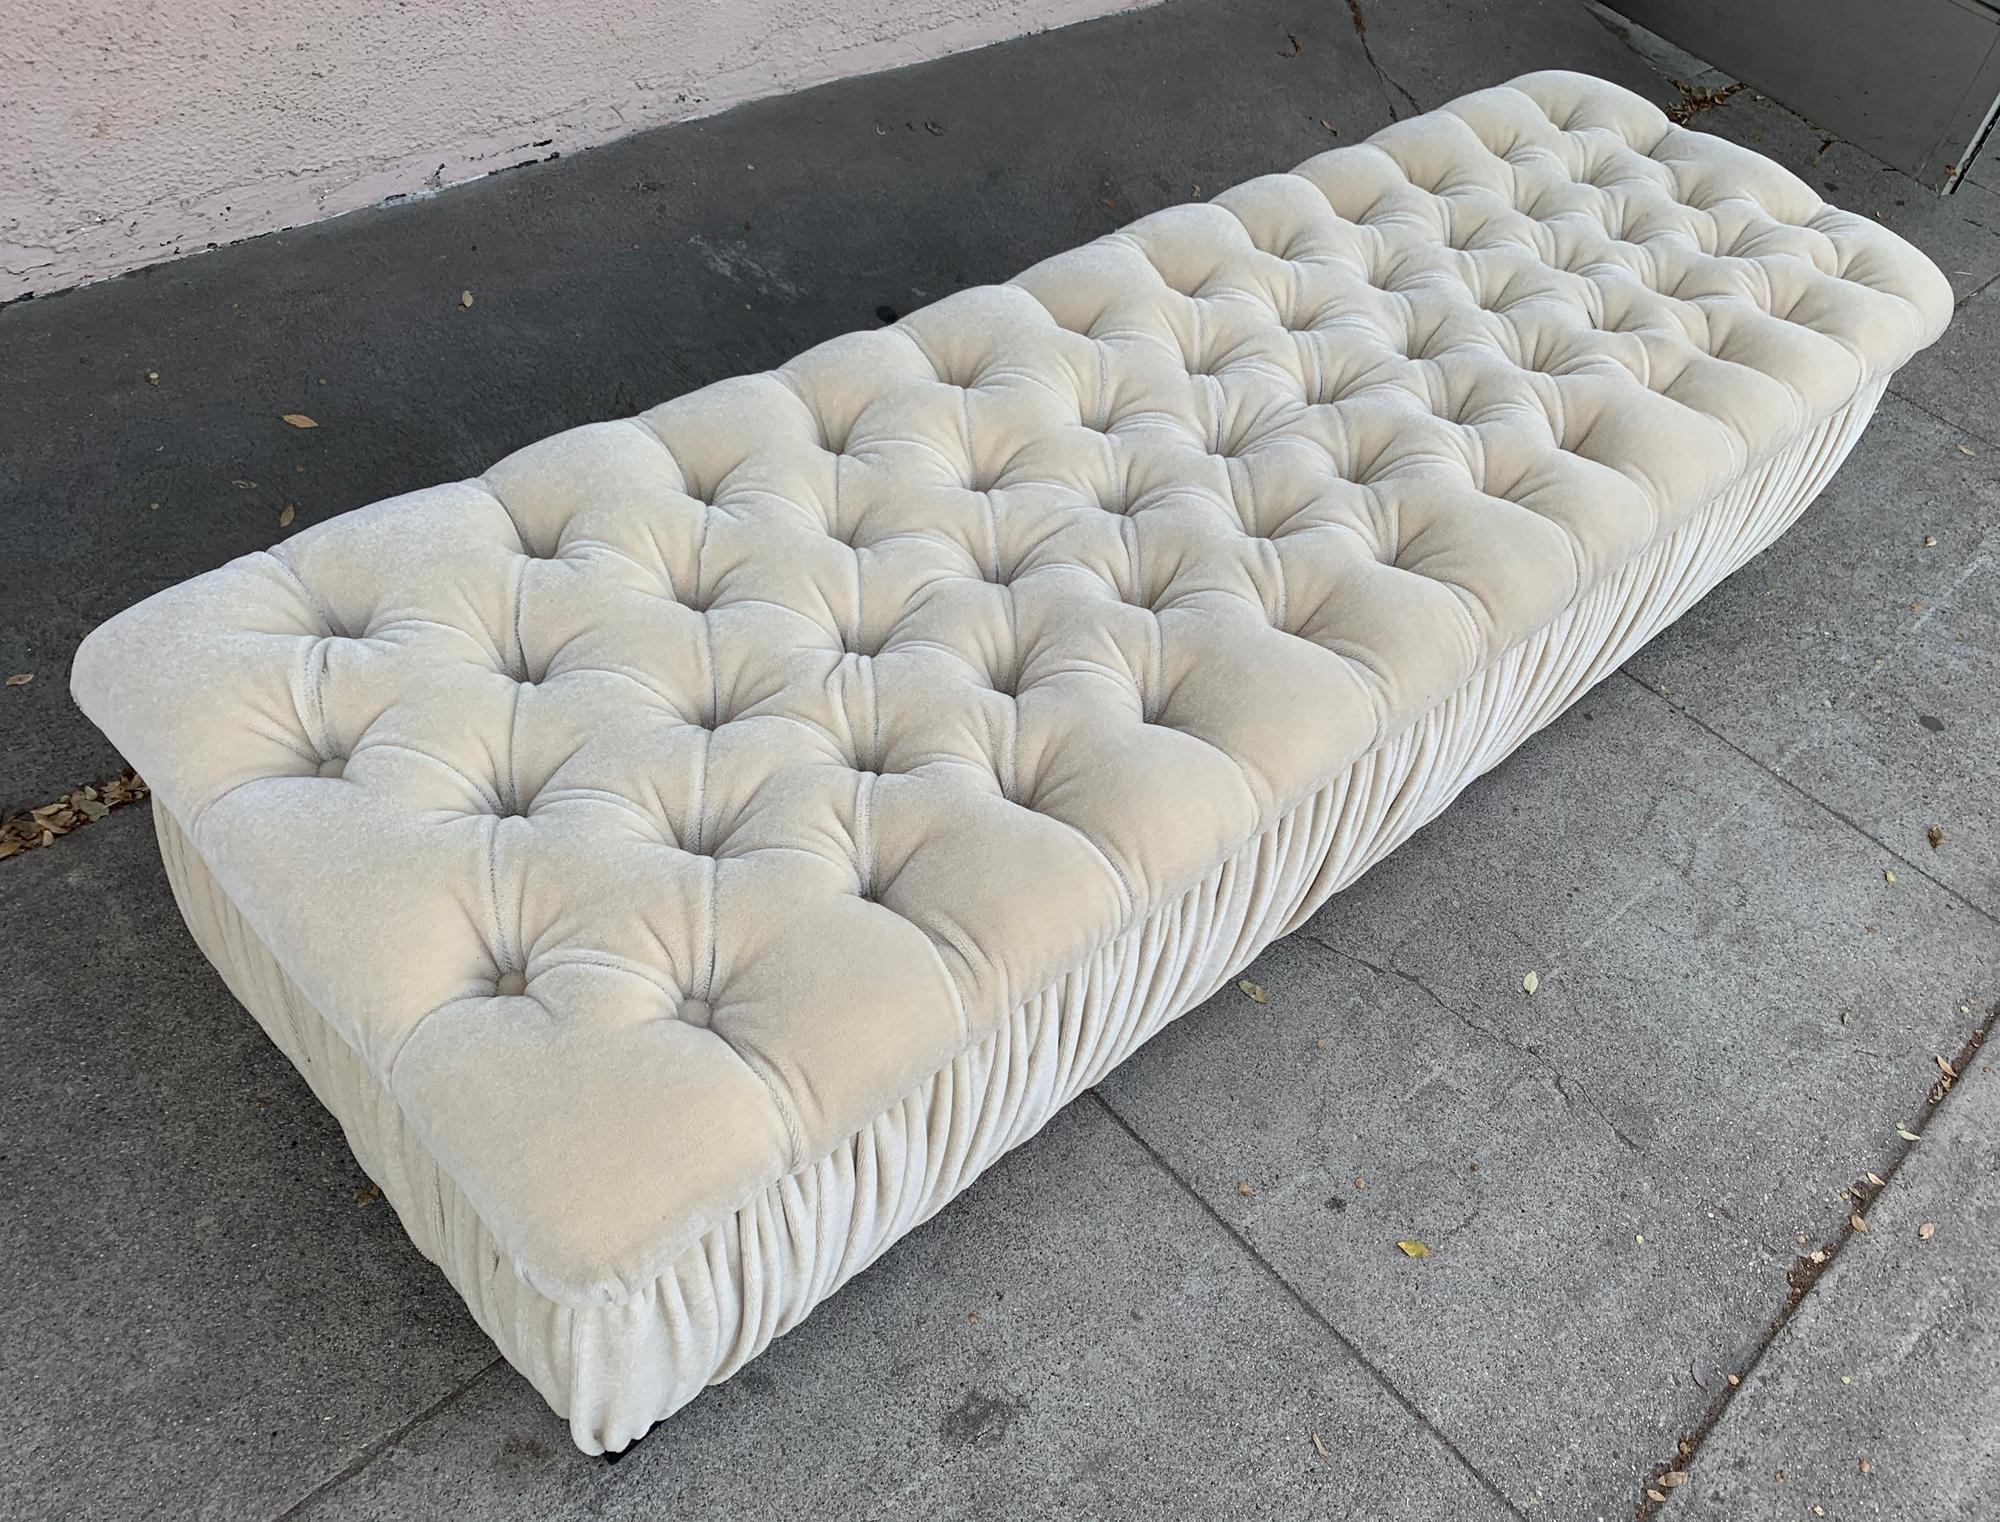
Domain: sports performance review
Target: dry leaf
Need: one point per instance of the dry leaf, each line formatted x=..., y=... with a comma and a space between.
x=1878, y=1181
x=1414, y=1249
x=300, y=420
x=1930, y=541
x=465, y=298
x=1735, y=1380
x=1965, y=449
x=1655, y=1495
x=1926, y=1231
x=1856, y=1222
x=1866, y=1467
x=43, y=825
x=366, y=1197
x=1888, y=876
x=1935, y=835
x=285, y=517
x=1254, y=992
x=1673, y=1479
x=1319, y=1446
x=20, y=679
x=1530, y=983
x=1946, y=1068
x=1907, y=1134
x=1244, y=1189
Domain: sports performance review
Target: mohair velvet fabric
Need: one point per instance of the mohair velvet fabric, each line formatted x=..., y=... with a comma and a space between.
x=685, y=855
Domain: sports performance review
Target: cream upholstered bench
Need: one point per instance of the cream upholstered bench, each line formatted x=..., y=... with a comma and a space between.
x=686, y=856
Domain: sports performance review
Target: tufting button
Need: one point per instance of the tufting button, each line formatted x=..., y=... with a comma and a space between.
x=511, y=984
x=1006, y=683
x=333, y=766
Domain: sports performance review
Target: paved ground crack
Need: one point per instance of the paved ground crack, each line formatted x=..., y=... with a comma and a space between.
x=1389, y=86
x=1573, y=1093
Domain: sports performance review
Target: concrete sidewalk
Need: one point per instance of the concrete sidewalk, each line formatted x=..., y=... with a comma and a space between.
x=1639, y=1184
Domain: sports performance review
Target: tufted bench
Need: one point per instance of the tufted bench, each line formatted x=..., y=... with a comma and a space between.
x=687, y=855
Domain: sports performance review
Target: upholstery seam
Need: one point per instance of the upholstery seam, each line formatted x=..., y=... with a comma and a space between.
x=714, y=939
x=504, y=955
x=872, y=690
x=485, y=794
x=312, y=599
x=864, y=834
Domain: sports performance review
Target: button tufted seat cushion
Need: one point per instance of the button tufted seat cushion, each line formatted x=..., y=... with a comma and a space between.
x=686, y=855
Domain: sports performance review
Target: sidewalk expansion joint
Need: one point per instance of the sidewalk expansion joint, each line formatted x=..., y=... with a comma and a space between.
x=381, y=1444
x=1666, y=1477
x=1908, y=862
x=1298, y=1297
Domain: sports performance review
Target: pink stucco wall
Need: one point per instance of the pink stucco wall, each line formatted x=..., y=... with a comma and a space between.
x=135, y=130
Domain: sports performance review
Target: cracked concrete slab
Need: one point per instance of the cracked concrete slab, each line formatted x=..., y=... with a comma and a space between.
x=1076, y=1337
x=1733, y=1012
x=1880, y=1400
x=205, y=1301
x=1858, y=657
